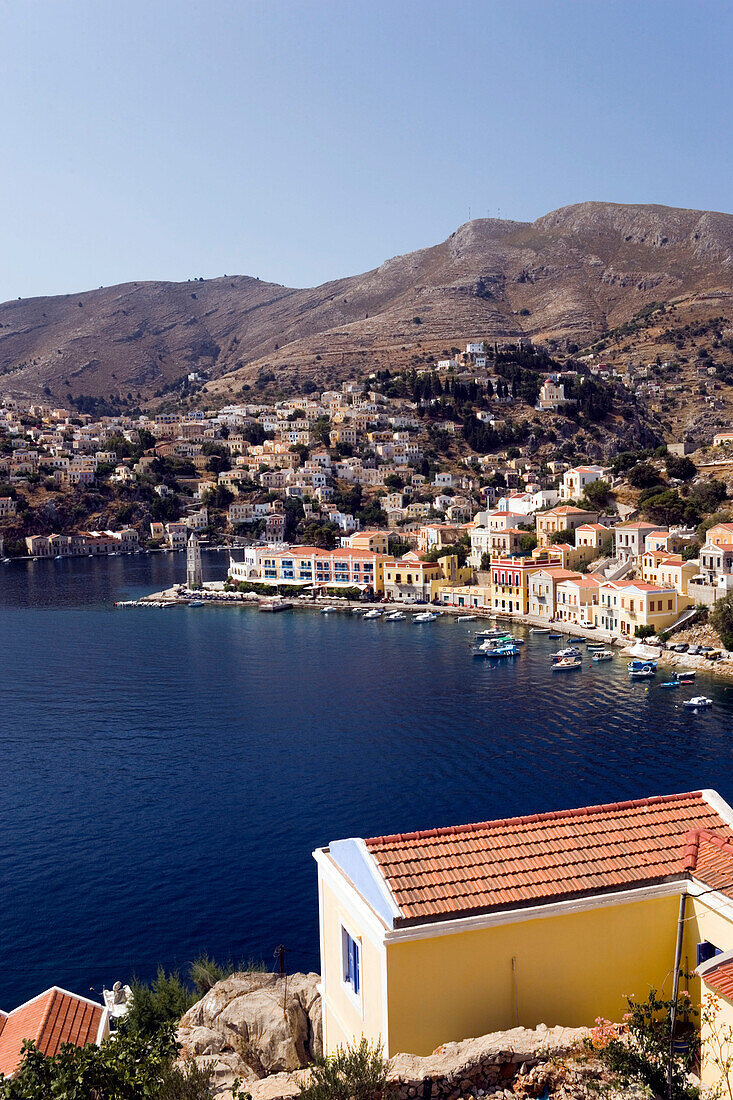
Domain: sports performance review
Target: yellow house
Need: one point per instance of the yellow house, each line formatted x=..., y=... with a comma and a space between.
x=576, y=599
x=510, y=583
x=411, y=577
x=625, y=605
x=439, y=935
x=658, y=567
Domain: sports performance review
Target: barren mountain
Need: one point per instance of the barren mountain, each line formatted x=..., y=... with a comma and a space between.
x=568, y=277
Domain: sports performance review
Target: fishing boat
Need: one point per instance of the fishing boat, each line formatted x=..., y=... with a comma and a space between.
x=554, y=634
x=466, y=618
x=539, y=630
x=328, y=610
x=602, y=655
x=375, y=613
x=495, y=635
x=195, y=603
x=670, y=684
x=394, y=617
x=566, y=663
x=492, y=650
x=698, y=702
x=423, y=617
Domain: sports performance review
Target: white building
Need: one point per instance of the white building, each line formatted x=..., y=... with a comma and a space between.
x=575, y=480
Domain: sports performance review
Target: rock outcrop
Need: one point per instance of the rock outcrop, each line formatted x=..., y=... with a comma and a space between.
x=252, y=1025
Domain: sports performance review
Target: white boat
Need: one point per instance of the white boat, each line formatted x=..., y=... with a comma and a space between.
x=570, y=651
x=466, y=618
x=539, y=630
x=698, y=702
x=394, y=617
x=602, y=655
x=373, y=614
x=326, y=610
x=566, y=663
x=425, y=617
x=195, y=603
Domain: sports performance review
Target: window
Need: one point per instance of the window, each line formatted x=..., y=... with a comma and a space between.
x=351, y=962
x=706, y=950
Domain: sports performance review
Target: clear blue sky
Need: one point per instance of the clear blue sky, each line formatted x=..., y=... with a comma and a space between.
x=302, y=140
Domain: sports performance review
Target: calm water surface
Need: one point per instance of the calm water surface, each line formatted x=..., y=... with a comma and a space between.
x=167, y=774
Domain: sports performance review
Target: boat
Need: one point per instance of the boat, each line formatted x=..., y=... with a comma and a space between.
x=493, y=635
x=466, y=618
x=195, y=603
x=375, y=613
x=602, y=655
x=276, y=605
x=594, y=645
x=394, y=617
x=539, y=630
x=640, y=669
x=326, y=610
x=670, y=684
x=554, y=634
x=569, y=651
x=566, y=663
x=698, y=702
x=493, y=649
x=425, y=617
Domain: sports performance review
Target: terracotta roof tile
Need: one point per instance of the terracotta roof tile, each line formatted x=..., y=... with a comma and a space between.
x=721, y=979
x=53, y=1018
x=543, y=857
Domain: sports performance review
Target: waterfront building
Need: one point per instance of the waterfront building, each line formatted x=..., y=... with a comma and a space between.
x=377, y=542
x=411, y=577
x=625, y=605
x=576, y=599
x=543, y=590
x=317, y=568
x=518, y=908
x=658, y=567
x=510, y=583
x=194, y=575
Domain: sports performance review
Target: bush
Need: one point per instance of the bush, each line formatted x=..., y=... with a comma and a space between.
x=644, y=631
x=205, y=972
x=130, y=1066
x=721, y=619
x=680, y=467
x=352, y=1073
x=643, y=475
x=162, y=1002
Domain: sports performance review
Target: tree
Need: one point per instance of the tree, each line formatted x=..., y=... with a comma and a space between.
x=563, y=536
x=485, y=561
x=721, y=618
x=596, y=493
x=323, y=535
x=220, y=497
x=643, y=475
x=680, y=467
x=394, y=481
x=527, y=543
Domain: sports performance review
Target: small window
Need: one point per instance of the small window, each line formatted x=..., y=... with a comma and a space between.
x=707, y=950
x=351, y=961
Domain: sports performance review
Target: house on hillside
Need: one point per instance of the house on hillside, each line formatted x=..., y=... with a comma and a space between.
x=430, y=937
x=49, y=1020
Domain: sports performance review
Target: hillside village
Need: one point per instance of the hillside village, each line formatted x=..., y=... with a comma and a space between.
x=494, y=479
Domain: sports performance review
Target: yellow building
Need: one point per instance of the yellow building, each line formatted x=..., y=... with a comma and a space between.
x=444, y=934
x=658, y=567
x=626, y=605
x=411, y=577
x=510, y=583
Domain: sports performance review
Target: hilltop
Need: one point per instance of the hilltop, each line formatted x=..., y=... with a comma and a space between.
x=565, y=280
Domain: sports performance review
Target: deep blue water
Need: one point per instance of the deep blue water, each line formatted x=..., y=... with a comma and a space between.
x=166, y=774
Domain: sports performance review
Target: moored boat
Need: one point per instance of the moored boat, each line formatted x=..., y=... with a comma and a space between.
x=602, y=655
x=466, y=618
x=566, y=663
x=698, y=702
x=423, y=617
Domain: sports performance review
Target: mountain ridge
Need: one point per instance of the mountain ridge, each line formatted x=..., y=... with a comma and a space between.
x=565, y=278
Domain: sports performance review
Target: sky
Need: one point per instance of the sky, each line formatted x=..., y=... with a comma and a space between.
x=305, y=140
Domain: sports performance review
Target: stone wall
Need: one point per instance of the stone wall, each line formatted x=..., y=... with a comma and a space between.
x=485, y=1067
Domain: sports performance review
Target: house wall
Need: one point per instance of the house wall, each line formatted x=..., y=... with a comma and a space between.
x=569, y=970
x=343, y=1020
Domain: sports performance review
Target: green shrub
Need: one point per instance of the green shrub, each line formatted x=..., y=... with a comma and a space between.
x=352, y=1073
x=721, y=618
x=163, y=1001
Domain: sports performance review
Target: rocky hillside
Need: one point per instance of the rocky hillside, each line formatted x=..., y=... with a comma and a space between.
x=567, y=279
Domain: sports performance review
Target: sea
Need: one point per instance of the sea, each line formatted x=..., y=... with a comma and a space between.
x=165, y=775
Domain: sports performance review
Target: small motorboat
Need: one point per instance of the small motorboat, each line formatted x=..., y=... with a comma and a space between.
x=375, y=613
x=642, y=670
x=394, y=617
x=554, y=634
x=491, y=650
x=423, y=617
x=686, y=677
x=569, y=651
x=539, y=630
x=466, y=618
x=698, y=702
x=328, y=610
x=670, y=684
x=602, y=655
x=495, y=635
x=566, y=663
x=195, y=603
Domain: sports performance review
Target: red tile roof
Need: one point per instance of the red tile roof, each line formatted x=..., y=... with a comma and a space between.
x=709, y=857
x=468, y=869
x=52, y=1018
x=720, y=978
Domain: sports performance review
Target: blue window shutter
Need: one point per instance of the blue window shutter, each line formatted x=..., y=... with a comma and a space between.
x=705, y=951
x=355, y=977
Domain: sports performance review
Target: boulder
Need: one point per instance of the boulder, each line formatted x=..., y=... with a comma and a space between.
x=252, y=1025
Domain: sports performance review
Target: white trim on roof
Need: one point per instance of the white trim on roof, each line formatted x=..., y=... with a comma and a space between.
x=719, y=804
x=56, y=989
x=712, y=964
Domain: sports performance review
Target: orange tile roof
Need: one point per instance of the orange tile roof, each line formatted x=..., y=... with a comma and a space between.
x=720, y=978
x=469, y=869
x=52, y=1018
x=709, y=857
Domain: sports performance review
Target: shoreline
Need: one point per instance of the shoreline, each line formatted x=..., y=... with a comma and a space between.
x=216, y=596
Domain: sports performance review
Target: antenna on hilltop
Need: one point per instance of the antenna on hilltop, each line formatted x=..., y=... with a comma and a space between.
x=469, y=213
